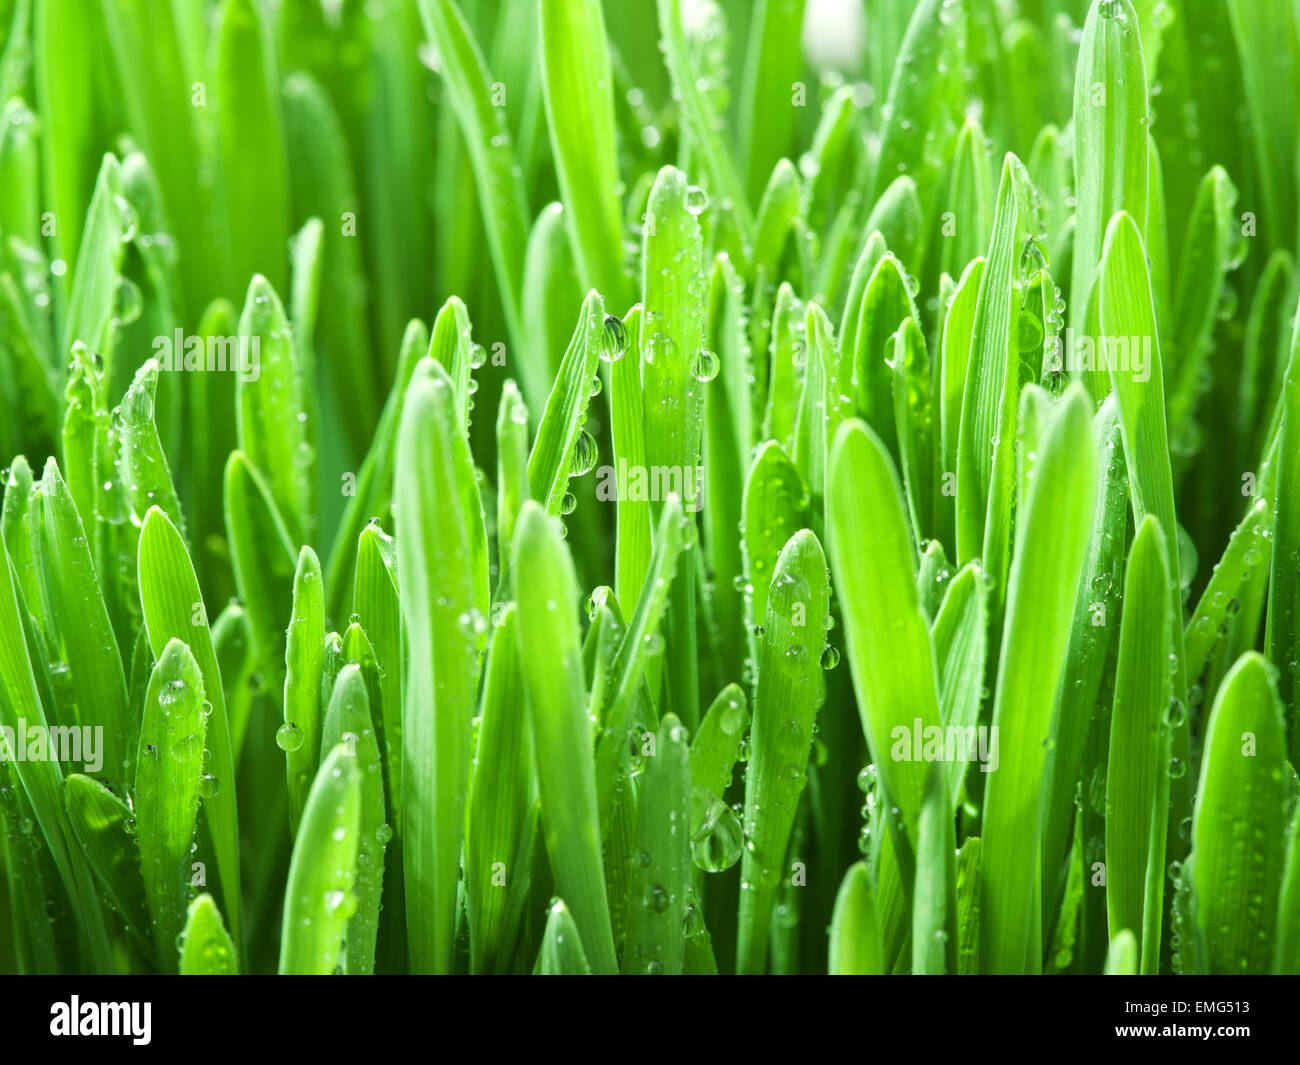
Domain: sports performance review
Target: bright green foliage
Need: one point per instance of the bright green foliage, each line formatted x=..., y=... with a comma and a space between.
x=450, y=448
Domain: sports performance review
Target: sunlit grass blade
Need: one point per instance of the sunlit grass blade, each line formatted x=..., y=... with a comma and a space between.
x=934, y=900
x=562, y=953
x=855, y=947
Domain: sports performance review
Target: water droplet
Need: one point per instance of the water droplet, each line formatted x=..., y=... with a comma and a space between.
x=289, y=737
x=704, y=365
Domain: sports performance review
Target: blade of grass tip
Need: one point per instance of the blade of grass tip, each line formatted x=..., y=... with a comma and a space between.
x=627, y=431
x=885, y=304
x=1126, y=310
x=304, y=701
x=441, y=577
x=318, y=897
x=934, y=899
x=821, y=408
x=661, y=880
x=1051, y=533
x=82, y=435
x=17, y=530
x=206, y=949
x=1050, y=169
x=1237, y=873
x=578, y=90
x=512, y=476
x=954, y=356
x=173, y=609
x=970, y=199
x=550, y=289
x=377, y=604
x=450, y=345
x=855, y=945
x=1110, y=149
x=103, y=826
x=168, y=769
x=232, y=639
x=774, y=508
x=899, y=217
x=322, y=187
x=1122, y=957
x=1137, y=774
x=778, y=217
x=563, y=448
x=253, y=187
x=348, y=722
x=80, y=616
x=504, y=789
x=913, y=420
x=1265, y=349
x=789, y=693
x=263, y=561
x=1212, y=247
x=1247, y=548
x=699, y=119
x=374, y=487
x=552, y=660
x=960, y=635
x=491, y=154
x=923, y=95
x=562, y=953
x=715, y=829
x=786, y=359
x=888, y=639
x=142, y=465
x=986, y=445
x=272, y=431
x=772, y=68
x=1283, y=630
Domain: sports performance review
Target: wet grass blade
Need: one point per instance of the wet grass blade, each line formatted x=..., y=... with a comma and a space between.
x=662, y=872
x=318, y=898
x=1238, y=830
x=552, y=660
x=168, y=769
x=788, y=695
x=304, y=702
x=173, y=610
x=1137, y=775
x=855, y=947
x=348, y=722
x=934, y=900
x=503, y=792
x=440, y=597
x=1051, y=532
x=207, y=949
x=1283, y=630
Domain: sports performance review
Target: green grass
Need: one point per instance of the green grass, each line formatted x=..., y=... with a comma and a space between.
x=451, y=446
